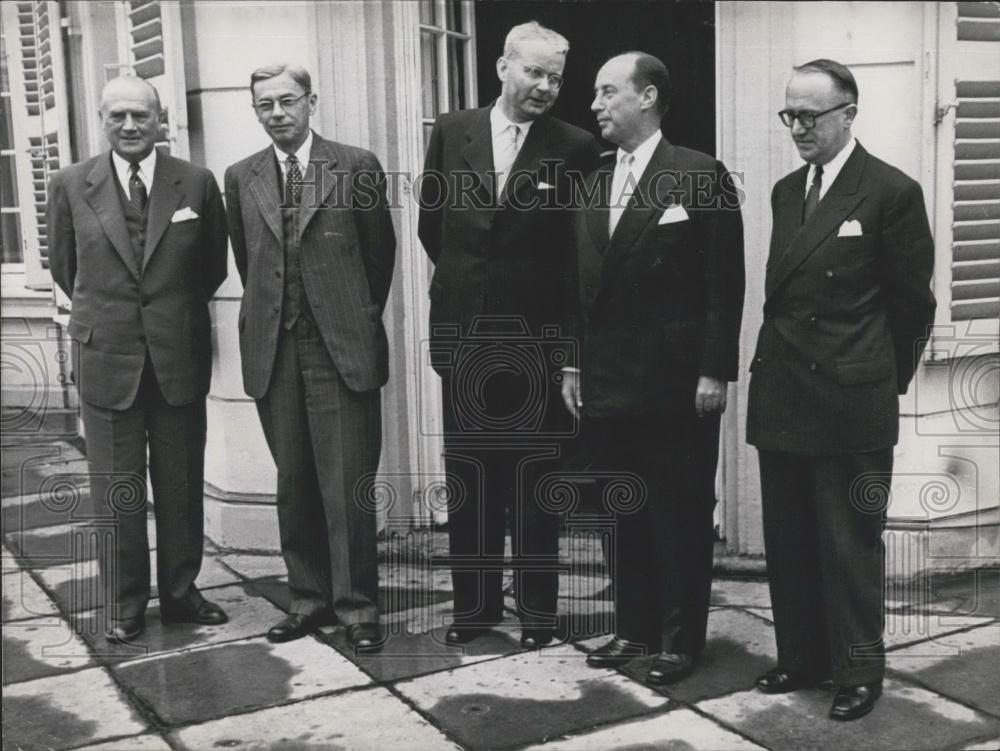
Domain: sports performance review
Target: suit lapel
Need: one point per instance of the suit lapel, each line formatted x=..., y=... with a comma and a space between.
x=264, y=186
x=641, y=208
x=478, y=153
x=841, y=199
x=102, y=193
x=164, y=198
x=597, y=208
x=323, y=158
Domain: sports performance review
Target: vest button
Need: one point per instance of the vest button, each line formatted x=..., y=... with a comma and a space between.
x=144, y=301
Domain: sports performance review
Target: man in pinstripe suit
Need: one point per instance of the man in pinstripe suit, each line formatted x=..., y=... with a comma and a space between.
x=315, y=249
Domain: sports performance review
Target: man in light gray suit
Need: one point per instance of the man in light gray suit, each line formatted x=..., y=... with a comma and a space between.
x=315, y=249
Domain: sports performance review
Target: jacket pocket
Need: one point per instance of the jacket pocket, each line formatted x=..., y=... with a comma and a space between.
x=864, y=371
x=79, y=331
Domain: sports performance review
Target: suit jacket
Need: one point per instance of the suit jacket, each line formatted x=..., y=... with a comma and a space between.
x=659, y=305
x=121, y=310
x=348, y=249
x=500, y=256
x=844, y=317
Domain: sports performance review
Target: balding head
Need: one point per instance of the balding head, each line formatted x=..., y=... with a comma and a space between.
x=131, y=115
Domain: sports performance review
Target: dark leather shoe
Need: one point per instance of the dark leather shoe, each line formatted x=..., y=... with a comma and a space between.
x=365, y=637
x=463, y=633
x=852, y=702
x=780, y=681
x=536, y=638
x=670, y=667
x=126, y=630
x=206, y=613
x=294, y=626
x=616, y=653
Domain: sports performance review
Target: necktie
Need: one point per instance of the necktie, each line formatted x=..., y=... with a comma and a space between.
x=293, y=180
x=622, y=187
x=137, y=194
x=812, y=197
x=506, y=155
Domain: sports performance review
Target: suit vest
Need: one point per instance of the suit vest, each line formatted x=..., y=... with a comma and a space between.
x=135, y=223
x=295, y=303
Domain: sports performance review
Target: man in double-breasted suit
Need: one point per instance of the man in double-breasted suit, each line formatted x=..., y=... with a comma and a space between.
x=847, y=305
x=660, y=295
x=315, y=249
x=493, y=220
x=137, y=240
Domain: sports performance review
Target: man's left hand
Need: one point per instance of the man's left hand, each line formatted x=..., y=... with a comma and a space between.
x=710, y=396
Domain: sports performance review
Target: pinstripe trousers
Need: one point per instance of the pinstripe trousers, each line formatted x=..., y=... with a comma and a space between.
x=326, y=441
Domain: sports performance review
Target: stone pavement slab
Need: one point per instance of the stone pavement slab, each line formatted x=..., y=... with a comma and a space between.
x=132, y=743
x=45, y=473
x=749, y=593
x=23, y=598
x=964, y=666
x=526, y=698
x=66, y=711
x=739, y=648
x=38, y=648
x=366, y=719
x=907, y=628
x=672, y=730
x=252, y=566
x=26, y=512
x=906, y=717
x=249, y=616
x=211, y=682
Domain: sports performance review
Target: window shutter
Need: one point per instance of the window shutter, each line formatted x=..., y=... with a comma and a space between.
x=978, y=22
x=41, y=123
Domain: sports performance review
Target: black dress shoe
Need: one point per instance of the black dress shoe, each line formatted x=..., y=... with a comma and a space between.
x=365, y=637
x=206, y=613
x=670, y=667
x=294, y=626
x=780, y=681
x=126, y=630
x=536, y=638
x=616, y=653
x=463, y=633
x=852, y=702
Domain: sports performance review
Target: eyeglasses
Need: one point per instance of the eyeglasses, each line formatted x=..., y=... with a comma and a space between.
x=266, y=106
x=807, y=119
x=536, y=74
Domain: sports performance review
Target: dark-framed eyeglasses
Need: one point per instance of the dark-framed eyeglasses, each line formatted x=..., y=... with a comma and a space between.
x=806, y=119
x=536, y=74
x=266, y=106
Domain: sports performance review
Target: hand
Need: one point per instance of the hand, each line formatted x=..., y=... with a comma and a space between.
x=571, y=394
x=710, y=396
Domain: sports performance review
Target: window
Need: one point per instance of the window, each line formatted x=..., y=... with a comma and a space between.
x=447, y=59
x=11, y=250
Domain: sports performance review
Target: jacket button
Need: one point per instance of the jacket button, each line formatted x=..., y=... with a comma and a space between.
x=142, y=338
x=144, y=301
x=812, y=366
x=277, y=273
x=276, y=310
x=828, y=274
x=813, y=320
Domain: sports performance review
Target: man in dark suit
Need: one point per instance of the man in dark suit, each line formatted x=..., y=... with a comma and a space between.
x=494, y=222
x=315, y=249
x=137, y=240
x=660, y=291
x=847, y=303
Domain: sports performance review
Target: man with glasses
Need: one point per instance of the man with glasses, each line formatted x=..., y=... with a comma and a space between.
x=847, y=307
x=315, y=249
x=494, y=221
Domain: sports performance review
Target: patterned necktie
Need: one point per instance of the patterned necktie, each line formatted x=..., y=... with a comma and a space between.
x=137, y=194
x=622, y=187
x=505, y=159
x=812, y=197
x=293, y=180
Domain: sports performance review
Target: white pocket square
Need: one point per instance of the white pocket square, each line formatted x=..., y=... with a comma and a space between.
x=183, y=215
x=675, y=213
x=542, y=185
x=850, y=229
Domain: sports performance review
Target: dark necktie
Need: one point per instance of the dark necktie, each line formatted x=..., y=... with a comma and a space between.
x=137, y=195
x=293, y=180
x=812, y=197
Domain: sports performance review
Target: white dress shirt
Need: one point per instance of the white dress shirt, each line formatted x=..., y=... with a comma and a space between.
x=301, y=154
x=123, y=169
x=624, y=180
x=503, y=154
x=831, y=169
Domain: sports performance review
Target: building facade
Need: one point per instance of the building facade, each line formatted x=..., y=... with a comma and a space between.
x=929, y=75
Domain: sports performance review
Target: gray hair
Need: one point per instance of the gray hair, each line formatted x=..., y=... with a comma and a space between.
x=533, y=30
x=298, y=74
x=116, y=82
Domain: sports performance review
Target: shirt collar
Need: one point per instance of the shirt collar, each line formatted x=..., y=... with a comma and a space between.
x=832, y=168
x=123, y=169
x=643, y=152
x=499, y=123
x=301, y=154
